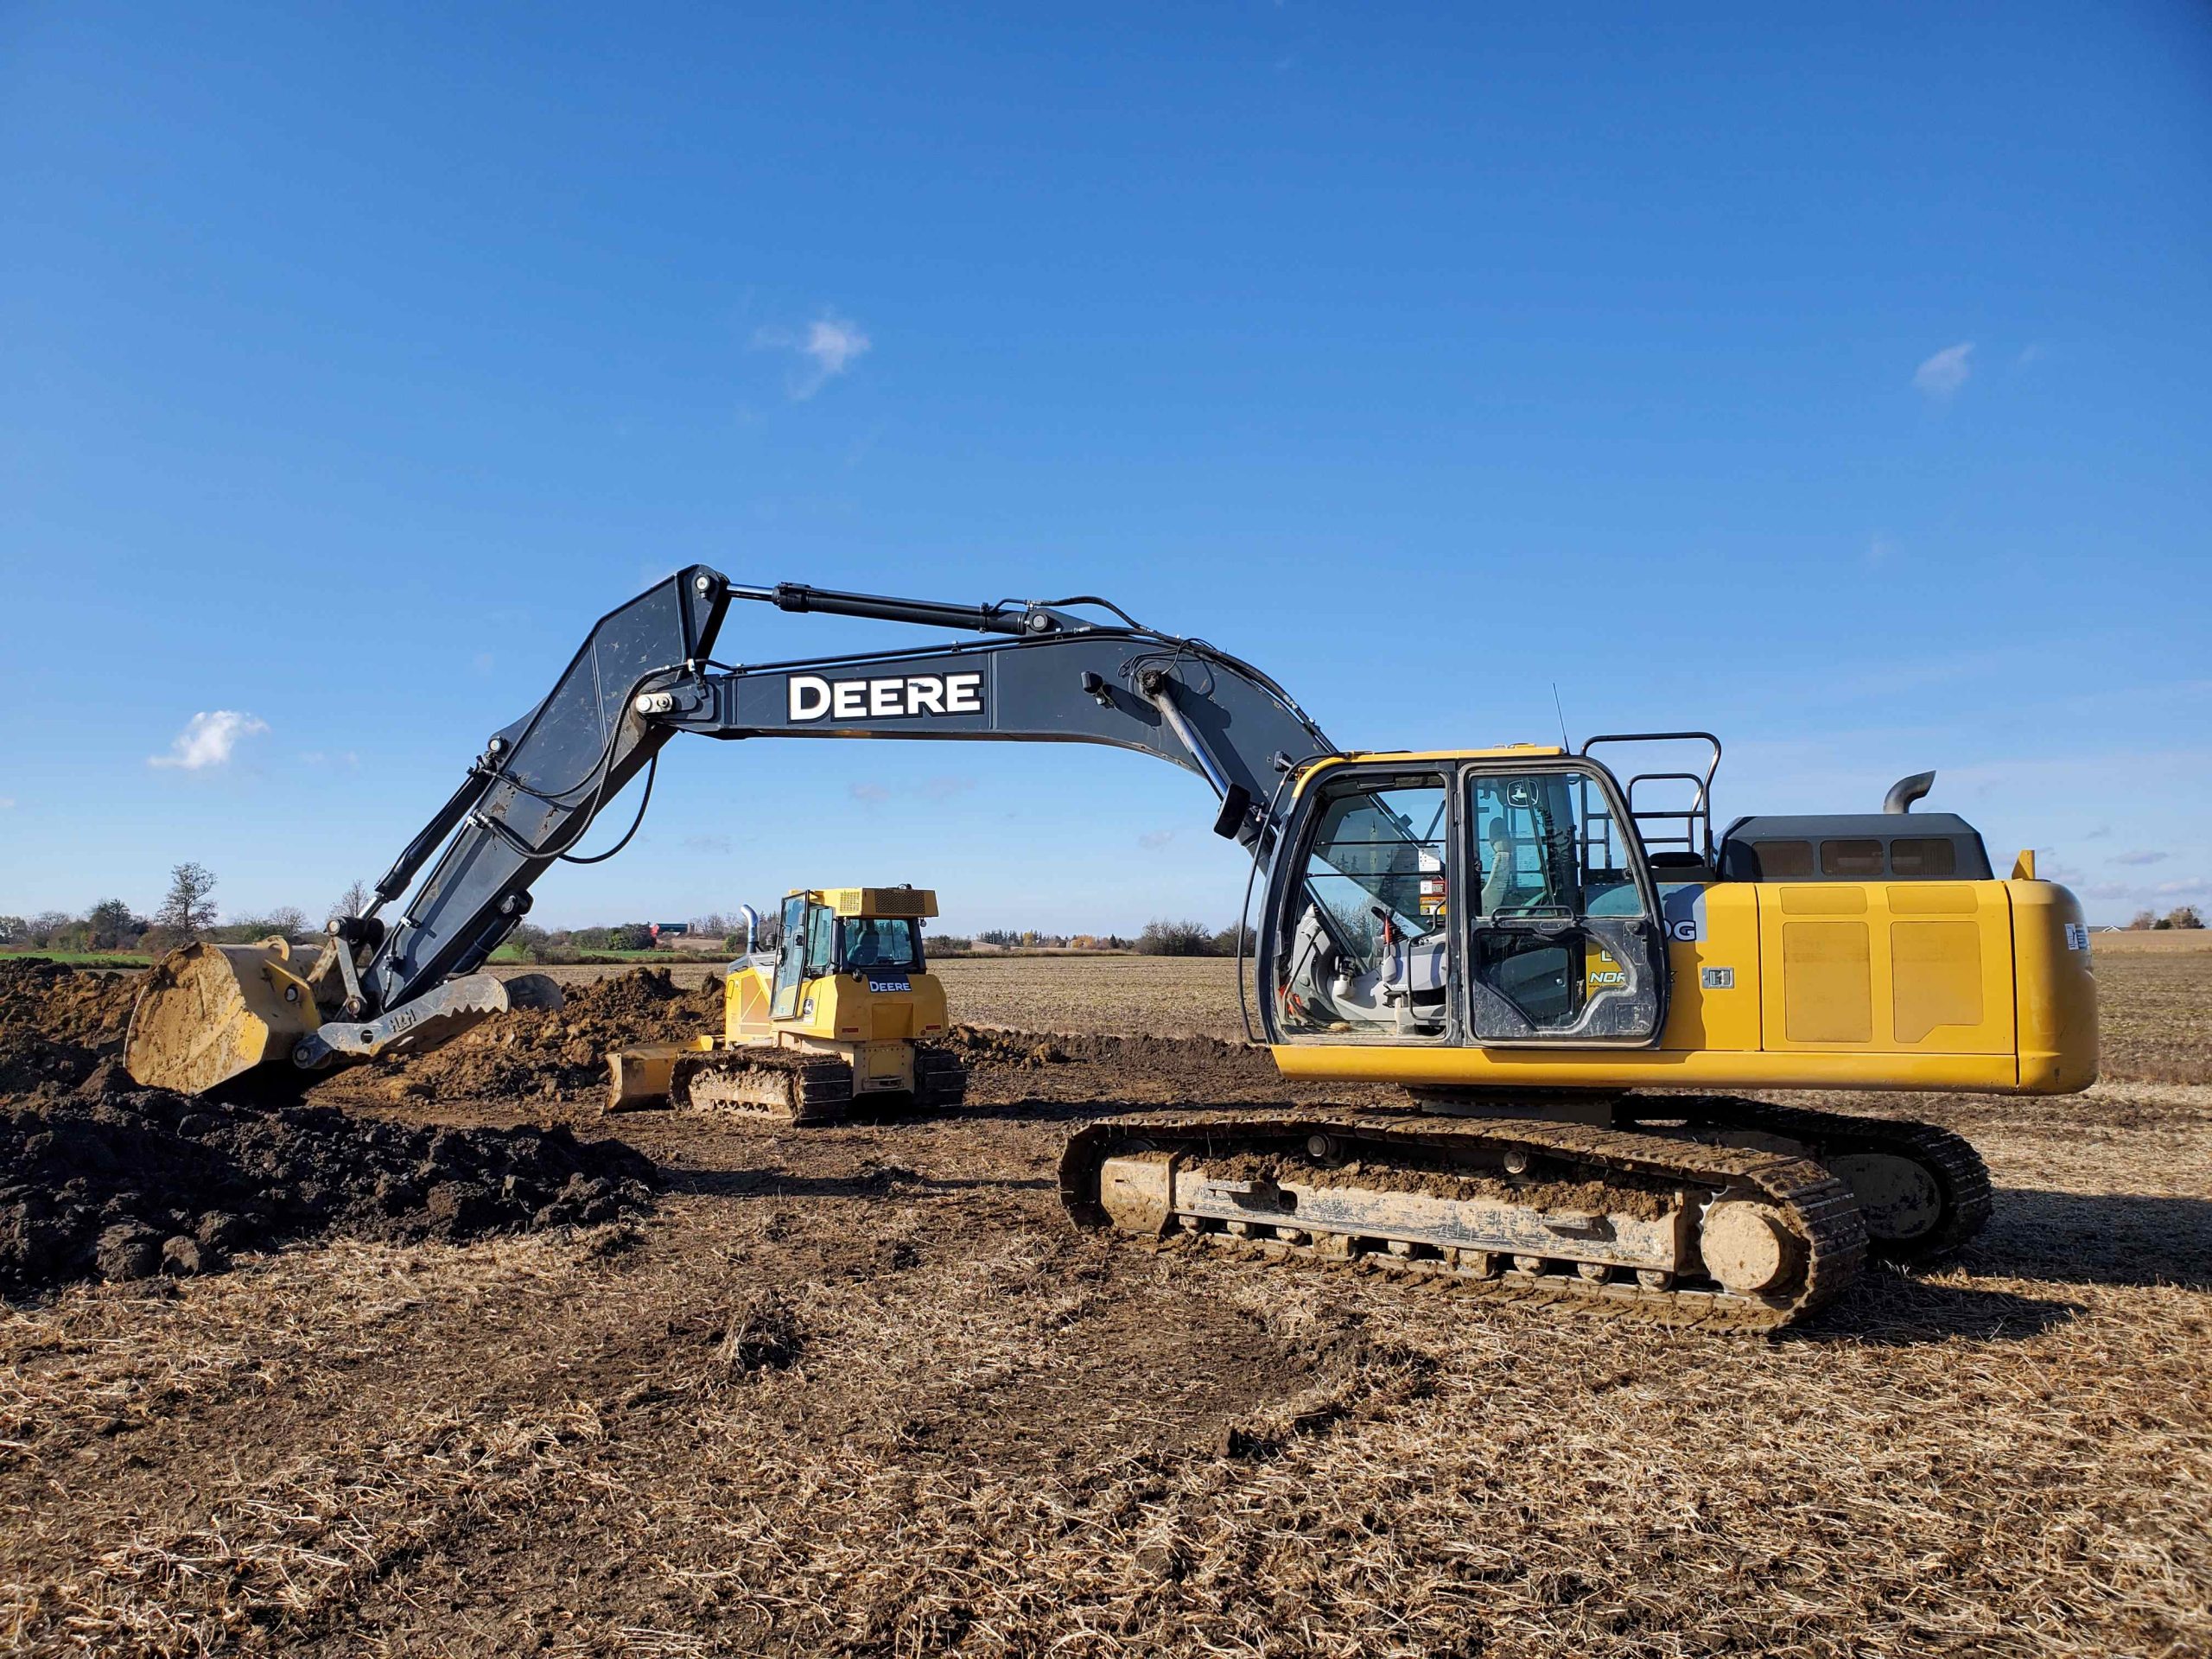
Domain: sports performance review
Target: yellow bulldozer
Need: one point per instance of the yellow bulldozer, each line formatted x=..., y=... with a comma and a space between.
x=837, y=1018
x=1562, y=963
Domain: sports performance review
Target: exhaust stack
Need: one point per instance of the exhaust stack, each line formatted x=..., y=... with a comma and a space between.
x=1903, y=793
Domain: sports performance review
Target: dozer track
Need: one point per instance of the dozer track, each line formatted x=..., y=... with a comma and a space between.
x=1923, y=1191
x=770, y=1085
x=940, y=1081
x=791, y=1086
x=1646, y=1225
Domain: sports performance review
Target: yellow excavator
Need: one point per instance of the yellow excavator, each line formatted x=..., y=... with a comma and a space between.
x=1561, y=964
x=837, y=1017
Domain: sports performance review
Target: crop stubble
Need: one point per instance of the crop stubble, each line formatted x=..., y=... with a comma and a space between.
x=859, y=1389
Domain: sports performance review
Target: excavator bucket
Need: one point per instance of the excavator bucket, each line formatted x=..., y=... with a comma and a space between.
x=211, y=1013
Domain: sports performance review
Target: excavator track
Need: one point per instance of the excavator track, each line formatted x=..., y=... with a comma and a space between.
x=1644, y=1224
x=1923, y=1191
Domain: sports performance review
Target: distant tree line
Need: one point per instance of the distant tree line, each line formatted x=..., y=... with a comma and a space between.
x=1166, y=938
x=2183, y=916
x=186, y=912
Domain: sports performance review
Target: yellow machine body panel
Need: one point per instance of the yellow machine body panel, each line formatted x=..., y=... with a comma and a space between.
x=843, y=1009
x=873, y=901
x=1981, y=986
x=747, y=991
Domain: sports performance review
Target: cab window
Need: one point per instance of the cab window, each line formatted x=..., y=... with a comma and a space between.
x=880, y=942
x=1536, y=856
x=821, y=940
x=1367, y=947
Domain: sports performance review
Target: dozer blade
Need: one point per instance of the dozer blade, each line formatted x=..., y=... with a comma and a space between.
x=1685, y=1233
x=639, y=1079
x=211, y=1013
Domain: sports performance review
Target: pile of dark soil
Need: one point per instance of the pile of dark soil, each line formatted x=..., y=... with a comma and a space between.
x=57, y=1024
x=553, y=1052
x=128, y=1184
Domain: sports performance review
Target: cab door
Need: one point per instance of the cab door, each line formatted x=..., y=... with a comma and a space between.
x=1562, y=942
x=790, y=959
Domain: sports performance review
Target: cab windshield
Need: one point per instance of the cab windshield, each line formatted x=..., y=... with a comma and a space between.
x=880, y=942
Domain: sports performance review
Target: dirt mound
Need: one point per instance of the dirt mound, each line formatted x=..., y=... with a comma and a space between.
x=558, y=1051
x=1198, y=1059
x=128, y=1184
x=57, y=1024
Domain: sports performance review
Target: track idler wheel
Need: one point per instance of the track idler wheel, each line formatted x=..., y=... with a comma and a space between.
x=1748, y=1247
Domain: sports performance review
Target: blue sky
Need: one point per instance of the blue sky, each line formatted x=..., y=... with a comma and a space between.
x=1842, y=382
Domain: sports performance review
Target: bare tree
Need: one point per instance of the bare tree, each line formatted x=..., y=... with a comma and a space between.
x=351, y=902
x=188, y=911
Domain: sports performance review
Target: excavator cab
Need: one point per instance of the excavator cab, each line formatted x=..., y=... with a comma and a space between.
x=1467, y=899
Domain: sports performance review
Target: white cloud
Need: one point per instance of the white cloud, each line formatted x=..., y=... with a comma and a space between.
x=2168, y=889
x=7, y=802
x=872, y=794
x=2140, y=858
x=830, y=345
x=208, y=738
x=1155, y=840
x=1944, y=373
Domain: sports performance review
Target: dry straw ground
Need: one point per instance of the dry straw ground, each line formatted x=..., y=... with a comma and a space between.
x=860, y=1390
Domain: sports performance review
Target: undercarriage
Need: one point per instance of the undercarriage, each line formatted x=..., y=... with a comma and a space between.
x=1707, y=1211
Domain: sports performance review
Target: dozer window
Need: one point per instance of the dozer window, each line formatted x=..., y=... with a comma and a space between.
x=1367, y=951
x=790, y=959
x=821, y=940
x=880, y=942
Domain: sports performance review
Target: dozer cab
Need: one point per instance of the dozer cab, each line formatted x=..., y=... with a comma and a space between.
x=1567, y=984
x=839, y=1016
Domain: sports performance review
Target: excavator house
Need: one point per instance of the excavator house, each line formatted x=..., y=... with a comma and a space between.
x=1566, y=984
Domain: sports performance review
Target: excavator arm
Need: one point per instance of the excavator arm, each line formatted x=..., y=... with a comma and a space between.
x=1043, y=672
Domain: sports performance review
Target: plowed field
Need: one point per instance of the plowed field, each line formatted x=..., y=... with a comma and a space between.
x=860, y=1390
